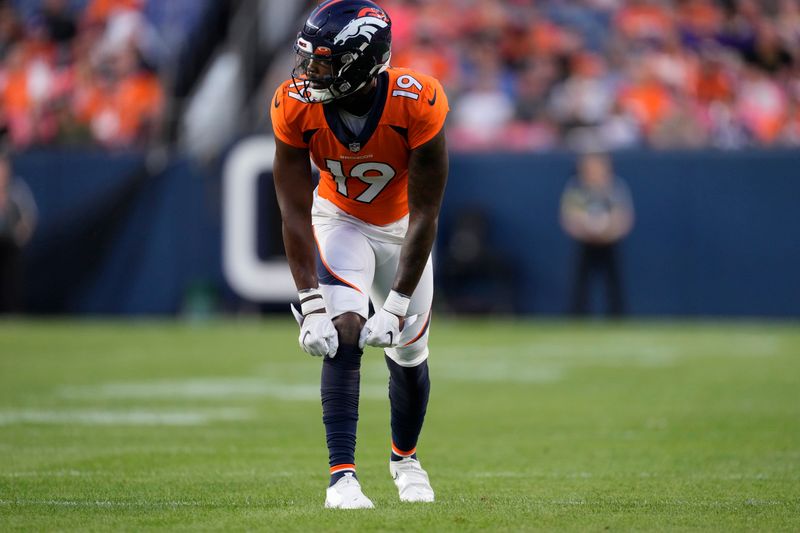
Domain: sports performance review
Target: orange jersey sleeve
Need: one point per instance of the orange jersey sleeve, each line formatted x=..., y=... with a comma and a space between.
x=427, y=119
x=284, y=115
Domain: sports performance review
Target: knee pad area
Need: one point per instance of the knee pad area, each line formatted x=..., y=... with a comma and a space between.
x=348, y=325
x=411, y=355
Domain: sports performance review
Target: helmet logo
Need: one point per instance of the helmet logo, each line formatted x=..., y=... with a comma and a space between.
x=372, y=12
x=360, y=27
x=304, y=45
x=322, y=51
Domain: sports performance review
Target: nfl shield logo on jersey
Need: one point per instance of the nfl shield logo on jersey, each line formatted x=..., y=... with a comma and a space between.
x=355, y=147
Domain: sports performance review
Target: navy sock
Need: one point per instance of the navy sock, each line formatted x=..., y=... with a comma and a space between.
x=395, y=457
x=339, y=390
x=409, y=388
x=336, y=476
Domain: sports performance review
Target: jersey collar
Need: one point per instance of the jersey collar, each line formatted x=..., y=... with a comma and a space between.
x=340, y=129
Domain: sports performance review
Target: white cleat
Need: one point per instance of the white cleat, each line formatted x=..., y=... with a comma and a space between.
x=346, y=494
x=411, y=480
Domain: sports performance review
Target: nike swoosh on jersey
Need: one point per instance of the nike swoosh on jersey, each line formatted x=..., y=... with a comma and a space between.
x=277, y=103
x=433, y=100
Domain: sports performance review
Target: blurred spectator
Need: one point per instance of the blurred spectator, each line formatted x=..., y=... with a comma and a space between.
x=59, y=21
x=615, y=73
x=714, y=83
x=83, y=71
x=99, y=11
x=482, y=114
x=122, y=100
x=645, y=97
x=520, y=75
x=426, y=56
x=724, y=130
x=787, y=23
x=17, y=222
x=10, y=30
x=768, y=52
x=597, y=211
x=618, y=131
x=26, y=86
x=683, y=127
x=485, y=109
x=790, y=136
x=699, y=20
x=646, y=20
x=761, y=105
x=586, y=97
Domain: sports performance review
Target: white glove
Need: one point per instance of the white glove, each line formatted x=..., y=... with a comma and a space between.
x=318, y=336
x=383, y=328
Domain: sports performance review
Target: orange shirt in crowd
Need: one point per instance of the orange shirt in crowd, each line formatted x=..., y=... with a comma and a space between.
x=649, y=102
x=15, y=92
x=702, y=16
x=425, y=59
x=713, y=86
x=645, y=21
x=139, y=100
x=98, y=11
x=545, y=38
x=15, y=85
x=117, y=115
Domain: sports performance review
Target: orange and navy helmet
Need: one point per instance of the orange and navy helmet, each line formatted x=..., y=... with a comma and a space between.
x=343, y=45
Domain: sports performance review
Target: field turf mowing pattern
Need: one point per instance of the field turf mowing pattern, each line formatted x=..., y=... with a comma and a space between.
x=532, y=425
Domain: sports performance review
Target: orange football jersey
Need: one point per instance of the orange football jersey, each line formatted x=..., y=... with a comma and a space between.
x=365, y=174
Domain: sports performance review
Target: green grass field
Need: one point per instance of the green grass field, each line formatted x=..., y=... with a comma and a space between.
x=531, y=425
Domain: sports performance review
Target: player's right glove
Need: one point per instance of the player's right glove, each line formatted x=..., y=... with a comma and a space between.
x=383, y=328
x=318, y=336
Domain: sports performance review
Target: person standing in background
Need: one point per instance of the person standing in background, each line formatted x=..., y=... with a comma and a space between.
x=17, y=221
x=597, y=211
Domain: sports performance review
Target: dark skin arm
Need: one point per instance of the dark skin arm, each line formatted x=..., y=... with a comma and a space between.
x=427, y=176
x=294, y=189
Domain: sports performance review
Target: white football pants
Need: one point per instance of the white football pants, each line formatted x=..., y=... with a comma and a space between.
x=354, y=268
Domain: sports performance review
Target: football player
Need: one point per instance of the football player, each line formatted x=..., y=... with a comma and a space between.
x=376, y=134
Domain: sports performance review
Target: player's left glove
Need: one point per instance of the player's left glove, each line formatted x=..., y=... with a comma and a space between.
x=383, y=328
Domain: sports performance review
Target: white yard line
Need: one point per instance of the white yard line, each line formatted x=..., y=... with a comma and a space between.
x=48, y=474
x=138, y=417
x=208, y=389
x=101, y=503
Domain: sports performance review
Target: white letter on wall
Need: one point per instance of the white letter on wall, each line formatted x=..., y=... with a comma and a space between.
x=248, y=275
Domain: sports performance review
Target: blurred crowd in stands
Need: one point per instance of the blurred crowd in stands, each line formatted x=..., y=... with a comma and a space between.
x=609, y=74
x=86, y=71
x=521, y=74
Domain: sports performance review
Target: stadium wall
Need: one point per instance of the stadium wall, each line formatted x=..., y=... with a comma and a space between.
x=716, y=233
x=116, y=238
